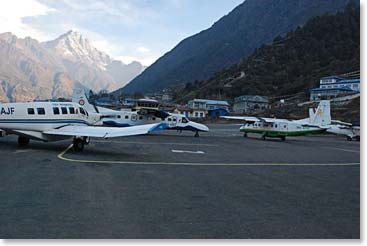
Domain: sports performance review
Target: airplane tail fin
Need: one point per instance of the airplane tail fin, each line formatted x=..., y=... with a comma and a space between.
x=322, y=115
x=80, y=97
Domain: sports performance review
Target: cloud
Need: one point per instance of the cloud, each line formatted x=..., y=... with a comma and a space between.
x=13, y=13
x=142, y=49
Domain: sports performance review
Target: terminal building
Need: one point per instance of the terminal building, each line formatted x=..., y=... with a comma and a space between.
x=333, y=87
x=205, y=107
x=250, y=104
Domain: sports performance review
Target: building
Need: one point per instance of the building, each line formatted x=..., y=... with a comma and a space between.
x=250, y=104
x=208, y=104
x=333, y=87
x=191, y=113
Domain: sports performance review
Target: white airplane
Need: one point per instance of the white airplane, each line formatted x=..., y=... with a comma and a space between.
x=282, y=128
x=126, y=118
x=54, y=121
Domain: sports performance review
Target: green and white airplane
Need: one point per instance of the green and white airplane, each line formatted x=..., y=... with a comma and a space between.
x=281, y=128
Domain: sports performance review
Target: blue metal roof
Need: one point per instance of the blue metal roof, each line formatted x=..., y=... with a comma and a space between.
x=330, y=89
x=332, y=77
x=348, y=81
x=213, y=102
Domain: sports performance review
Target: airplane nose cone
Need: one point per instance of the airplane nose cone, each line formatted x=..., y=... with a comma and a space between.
x=199, y=127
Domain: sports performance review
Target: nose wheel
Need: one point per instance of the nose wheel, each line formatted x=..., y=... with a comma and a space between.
x=197, y=134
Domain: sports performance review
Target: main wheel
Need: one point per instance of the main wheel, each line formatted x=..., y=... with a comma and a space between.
x=263, y=137
x=245, y=135
x=282, y=138
x=23, y=141
x=78, y=144
x=349, y=138
x=197, y=134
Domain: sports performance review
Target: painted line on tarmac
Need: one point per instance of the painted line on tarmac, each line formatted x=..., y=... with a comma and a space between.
x=346, y=150
x=187, y=152
x=156, y=143
x=62, y=157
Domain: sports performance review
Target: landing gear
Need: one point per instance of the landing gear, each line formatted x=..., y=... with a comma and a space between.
x=78, y=143
x=197, y=134
x=349, y=138
x=245, y=135
x=23, y=141
x=282, y=138
x=263, y=137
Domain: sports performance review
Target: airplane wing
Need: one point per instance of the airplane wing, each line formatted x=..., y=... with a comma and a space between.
x=244, y=118
x=341, y=123
x=254, y=119
x=105, y=132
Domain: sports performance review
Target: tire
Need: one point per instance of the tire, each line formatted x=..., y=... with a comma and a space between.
x=245, y=135
x=282, y=138
x=78, y=145
x=349, y=139
x=23, y=141
x=263, y=137
x=197, y=134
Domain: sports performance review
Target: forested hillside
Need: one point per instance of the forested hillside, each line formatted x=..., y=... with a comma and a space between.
x=293, y=63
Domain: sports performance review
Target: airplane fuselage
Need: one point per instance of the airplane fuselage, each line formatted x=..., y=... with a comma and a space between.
x=127, y=118
x=280, y=129
x=31, y=119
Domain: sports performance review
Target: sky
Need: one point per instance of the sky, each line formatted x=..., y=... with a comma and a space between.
x=127, y=30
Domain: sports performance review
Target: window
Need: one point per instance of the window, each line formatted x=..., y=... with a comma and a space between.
x=174, y=119
x=56, y=110
x=118, y=116
x=126, y=117
x=201, y=115
x=64, y=110
x=41, y=111
x=30, y=111
x=82, y=111
x=169, y=119
x=185, y=120
x=276, y=126
x=196, y=114
x=72, y=110
x=154, y=118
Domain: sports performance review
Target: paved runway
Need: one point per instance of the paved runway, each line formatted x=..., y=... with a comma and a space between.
x=171, y=185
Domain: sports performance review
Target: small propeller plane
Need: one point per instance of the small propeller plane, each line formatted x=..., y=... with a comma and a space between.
x=126, y=118
x=282, y=128
x=54, y=121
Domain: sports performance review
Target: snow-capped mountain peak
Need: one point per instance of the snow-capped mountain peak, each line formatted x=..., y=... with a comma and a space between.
x=74, y=47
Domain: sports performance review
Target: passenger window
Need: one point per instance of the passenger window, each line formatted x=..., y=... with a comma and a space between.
x=126, y=117
x=56, y=110
x=72, y=110
x=30, y=111
x=64, y=110
x=174, y=119
x=41, y=111
x=169, y=119
x=276, y=126
x=118, y=116
x=154, y=118
x=82, y=111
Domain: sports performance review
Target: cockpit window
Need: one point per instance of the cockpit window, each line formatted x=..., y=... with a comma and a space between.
x=185, y=120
